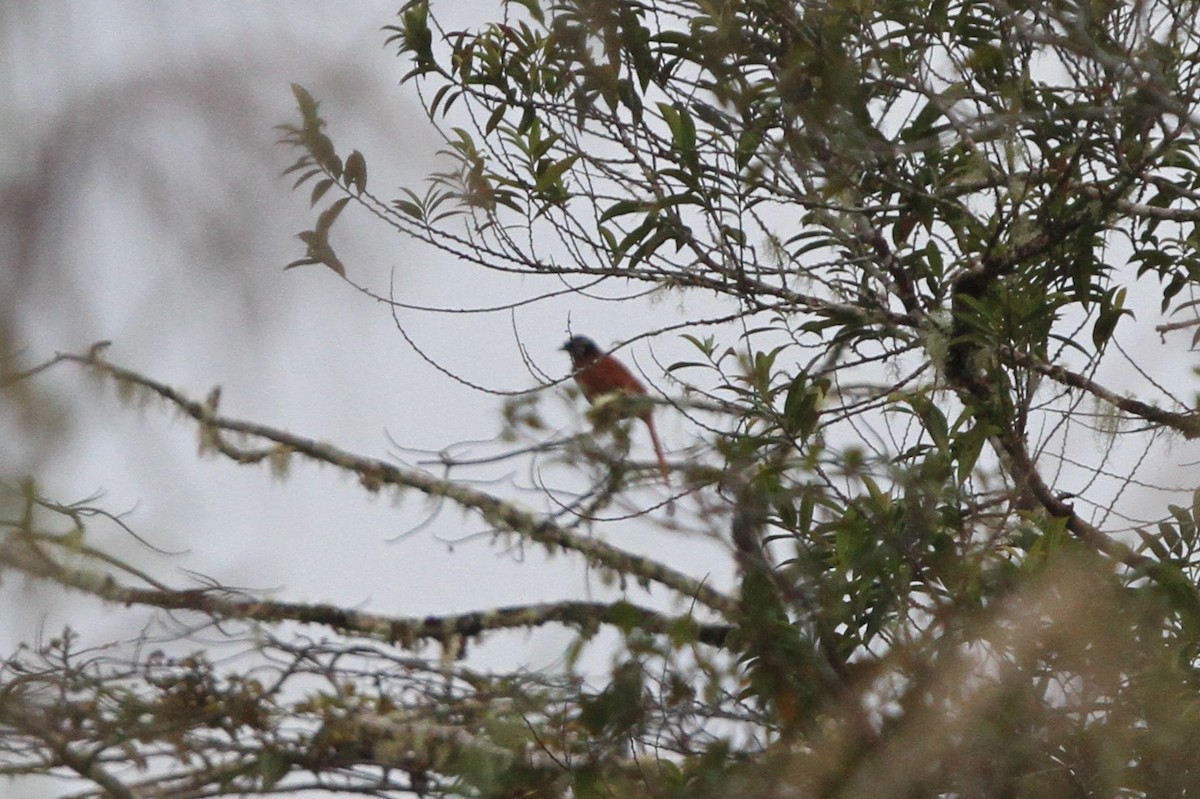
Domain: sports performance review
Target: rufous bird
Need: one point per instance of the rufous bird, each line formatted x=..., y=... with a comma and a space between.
x=599, y=374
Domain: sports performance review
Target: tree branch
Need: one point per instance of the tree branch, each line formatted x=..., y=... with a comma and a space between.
x=23, y=553
x=374, y=474
x=1188, y=424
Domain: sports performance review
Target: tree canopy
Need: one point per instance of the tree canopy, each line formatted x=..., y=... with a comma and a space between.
x=941, y=416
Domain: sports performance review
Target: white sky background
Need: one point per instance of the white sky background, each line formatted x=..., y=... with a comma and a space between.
x=139, y=137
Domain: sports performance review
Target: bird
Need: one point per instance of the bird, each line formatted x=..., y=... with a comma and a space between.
x=599, y=374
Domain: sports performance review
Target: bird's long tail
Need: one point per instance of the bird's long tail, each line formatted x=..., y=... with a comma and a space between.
x=658, y=450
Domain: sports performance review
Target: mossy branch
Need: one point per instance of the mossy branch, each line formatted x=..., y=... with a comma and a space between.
x=374, y=474
x=41, y=556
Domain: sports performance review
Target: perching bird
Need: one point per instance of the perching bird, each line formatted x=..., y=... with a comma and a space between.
x=599, y=374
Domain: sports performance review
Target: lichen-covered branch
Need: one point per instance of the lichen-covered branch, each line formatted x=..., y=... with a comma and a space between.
x=37, y=556
x=374, y=474
x=1187, y=424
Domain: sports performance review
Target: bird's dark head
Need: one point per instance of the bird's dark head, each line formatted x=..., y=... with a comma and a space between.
x=581, y=347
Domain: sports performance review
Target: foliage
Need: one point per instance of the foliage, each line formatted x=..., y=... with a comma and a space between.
x=934, y=228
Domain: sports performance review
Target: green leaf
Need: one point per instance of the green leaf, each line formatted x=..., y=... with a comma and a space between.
x=272, y=767
x=308, y=106
x=921, y=127
x=622, y=207
x=551, y=176
x=417, y=38
x=301, y=262
x=1111, y=311
x=495, y=118
x=410, y=208
x=319, y=190
x=801, y=408
x=329, y=215
x=354, y=176
x=319, y=252
x=305, y=177
x=534, y=7
x=968, y=448
x=300, y=164
x=748, y=144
